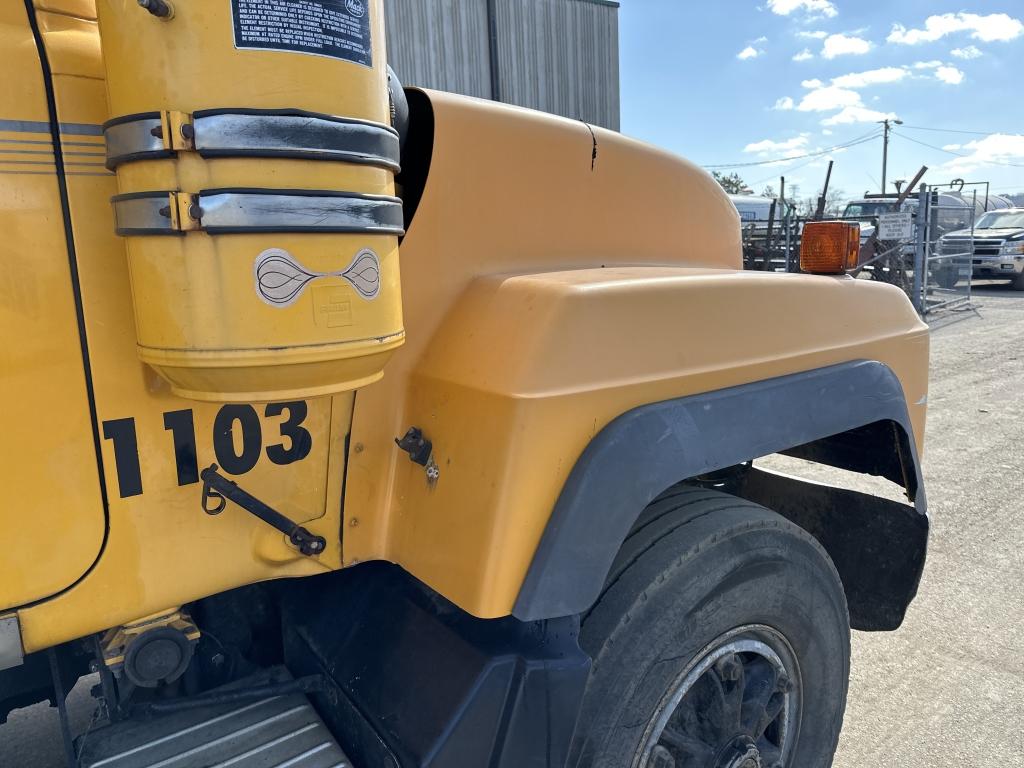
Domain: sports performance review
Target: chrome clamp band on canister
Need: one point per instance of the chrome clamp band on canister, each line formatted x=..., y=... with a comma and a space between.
x=240, y=211
x=251, y=133
x=135, y=137
x=147, y=213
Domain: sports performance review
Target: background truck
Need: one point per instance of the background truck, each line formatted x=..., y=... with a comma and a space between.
x=349, y=425
x=893, y=261
x=994, y=245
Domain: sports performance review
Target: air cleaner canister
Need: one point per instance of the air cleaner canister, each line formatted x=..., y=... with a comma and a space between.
x=255, y=162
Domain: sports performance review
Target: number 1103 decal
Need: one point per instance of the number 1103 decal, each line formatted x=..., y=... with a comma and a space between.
x=235, y=456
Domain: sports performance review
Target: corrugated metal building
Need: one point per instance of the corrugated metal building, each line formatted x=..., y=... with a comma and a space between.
x=561, y=56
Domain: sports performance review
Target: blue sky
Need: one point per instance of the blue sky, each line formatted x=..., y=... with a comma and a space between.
x=733, y=81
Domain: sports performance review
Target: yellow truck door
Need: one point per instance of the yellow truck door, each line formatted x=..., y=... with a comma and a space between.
x=101, y=460
x=52, y=522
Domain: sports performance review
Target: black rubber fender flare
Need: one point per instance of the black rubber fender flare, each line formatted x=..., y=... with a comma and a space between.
x=650, y=448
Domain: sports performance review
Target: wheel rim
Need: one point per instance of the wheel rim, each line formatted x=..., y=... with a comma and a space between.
x=736, y=705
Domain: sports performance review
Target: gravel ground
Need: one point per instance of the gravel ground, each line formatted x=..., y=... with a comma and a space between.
x=946, y=689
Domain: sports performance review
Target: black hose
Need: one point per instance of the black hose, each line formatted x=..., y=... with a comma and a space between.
x=309, y=684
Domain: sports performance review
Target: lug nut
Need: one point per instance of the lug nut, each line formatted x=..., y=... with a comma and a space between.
x=729, y=667
x=661, y=758
x=784, y=684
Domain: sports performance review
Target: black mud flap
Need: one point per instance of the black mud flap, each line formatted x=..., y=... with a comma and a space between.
x=877, y=545
x=414, y=681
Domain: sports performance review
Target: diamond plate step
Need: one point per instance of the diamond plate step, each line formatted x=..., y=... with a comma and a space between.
x=276, y=732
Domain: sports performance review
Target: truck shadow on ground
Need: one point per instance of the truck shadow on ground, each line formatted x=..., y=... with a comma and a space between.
x=981, y=293
x=997, y=289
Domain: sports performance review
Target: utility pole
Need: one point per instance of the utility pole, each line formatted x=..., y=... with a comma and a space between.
x=885, y=145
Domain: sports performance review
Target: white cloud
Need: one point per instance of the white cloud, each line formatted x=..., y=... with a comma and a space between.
x=951, y=147
x=818, y=7
x=780, y=152
x=826, y=132
x=994, y=26
x=949, y=75
x=994, y=149
x=827, y=98
x=795, y=146
x=842, y=95
x=842, y=98
x=761, y=39
x=870, y=77
x=804, y=55
x=970, y=52
x=817, y=34
x=750, y=52
x=857, y=114
x=841, y=45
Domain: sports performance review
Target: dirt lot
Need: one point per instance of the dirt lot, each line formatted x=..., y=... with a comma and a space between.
x=946, y=690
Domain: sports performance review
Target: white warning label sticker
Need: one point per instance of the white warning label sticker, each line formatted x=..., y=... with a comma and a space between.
x=338, y=29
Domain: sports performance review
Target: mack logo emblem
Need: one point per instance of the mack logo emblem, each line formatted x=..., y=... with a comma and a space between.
x=280, y=279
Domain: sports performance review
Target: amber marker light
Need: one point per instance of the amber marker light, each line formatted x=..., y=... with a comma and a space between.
x=829, y=247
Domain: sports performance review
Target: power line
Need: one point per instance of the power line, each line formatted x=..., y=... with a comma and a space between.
x=819, y=153
x=795, y=167
x=782, y=172
x=981, y=161
x=932, y=146
x=852, y=143
x=951, y=130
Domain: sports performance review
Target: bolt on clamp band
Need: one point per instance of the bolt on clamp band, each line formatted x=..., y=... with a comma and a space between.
x=251, y=133
x=135, y=137
x=240, y=211
x=147, y=213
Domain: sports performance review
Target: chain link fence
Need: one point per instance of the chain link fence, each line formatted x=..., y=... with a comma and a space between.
x=924, y=245
x=943, y=249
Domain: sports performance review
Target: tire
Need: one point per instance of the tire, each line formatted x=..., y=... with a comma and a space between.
x=701, y=573
x=1017, y=283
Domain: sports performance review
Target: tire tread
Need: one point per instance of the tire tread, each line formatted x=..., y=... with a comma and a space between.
x=679, y=526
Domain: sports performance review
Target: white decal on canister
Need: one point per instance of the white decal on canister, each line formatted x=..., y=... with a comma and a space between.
x=281, y=279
